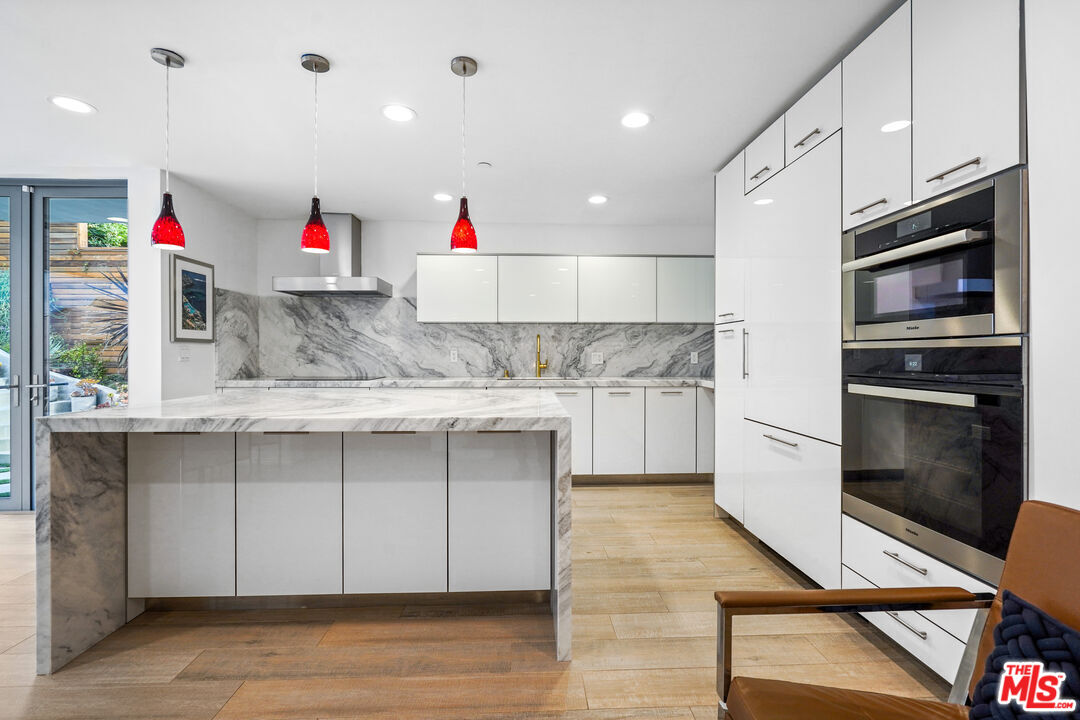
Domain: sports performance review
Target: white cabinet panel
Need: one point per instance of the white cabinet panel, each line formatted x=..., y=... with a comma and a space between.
x=500, y=511
x=729, y=399
x=181, y=531
x=966, y=104
x=937, y=649
x=670, y=430
x=816, y=116
x=877, y=92
x=617, y=289
x=394, y=511
x=288, y=513
x=578, y=402
x=457, y=288
x=793, y=498
x=729, y=250
x=706, y=429
x=684, y=289
x=793, y=305
x=618, y=431
x=765, y=156
x=538, y=288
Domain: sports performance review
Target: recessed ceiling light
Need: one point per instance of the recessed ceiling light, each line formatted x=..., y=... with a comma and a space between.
x=895, y=125
x=636, y=119
x=443, y=197
x=116, y=219
x=598, y=199
x=763, y=201
x=72, y=104
x=398, y=113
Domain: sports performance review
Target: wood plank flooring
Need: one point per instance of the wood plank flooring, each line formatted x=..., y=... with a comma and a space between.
x=646, y=562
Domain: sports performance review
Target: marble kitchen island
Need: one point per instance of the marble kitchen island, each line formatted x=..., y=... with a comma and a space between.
x=84, y=494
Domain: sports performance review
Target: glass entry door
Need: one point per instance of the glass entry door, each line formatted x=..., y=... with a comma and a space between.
x=14, y=413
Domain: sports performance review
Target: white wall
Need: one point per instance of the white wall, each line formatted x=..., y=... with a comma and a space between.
x=1053, y=56
x=390, y=246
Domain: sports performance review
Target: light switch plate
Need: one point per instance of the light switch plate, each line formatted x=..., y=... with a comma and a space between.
x=597, y=358
x=453, y=355
x=693, y=358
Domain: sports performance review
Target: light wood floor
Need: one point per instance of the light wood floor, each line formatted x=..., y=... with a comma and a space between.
x=646, y=562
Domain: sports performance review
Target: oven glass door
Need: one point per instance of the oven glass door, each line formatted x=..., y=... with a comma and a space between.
x=954, y=283
x=951, y=461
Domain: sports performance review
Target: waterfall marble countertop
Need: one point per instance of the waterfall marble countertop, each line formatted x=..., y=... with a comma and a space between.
x=319, y=409
x=467, y=382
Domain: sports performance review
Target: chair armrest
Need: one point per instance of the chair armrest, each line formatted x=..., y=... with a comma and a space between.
x=797, y=602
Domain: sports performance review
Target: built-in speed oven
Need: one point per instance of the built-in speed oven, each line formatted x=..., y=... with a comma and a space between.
x=953, y=267
x=933, y=445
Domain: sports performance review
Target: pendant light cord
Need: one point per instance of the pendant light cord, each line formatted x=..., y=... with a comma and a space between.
x=168, y=63
x=316, y=74
x=463, y=135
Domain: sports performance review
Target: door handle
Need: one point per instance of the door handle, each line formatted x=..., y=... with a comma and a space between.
x=671, y=392
x=720, y=315
x=745, y=354
x=927, y=396
x=14, y=387
x=864, y=208
x=780, y=440
x=902, y=561
x=759, y=173
x=812, y=133
x=725, y=331
x=941, y=175
x=912, y=628
x=956, y=237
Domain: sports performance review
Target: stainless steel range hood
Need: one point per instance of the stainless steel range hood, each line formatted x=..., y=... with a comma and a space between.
x=339, y=269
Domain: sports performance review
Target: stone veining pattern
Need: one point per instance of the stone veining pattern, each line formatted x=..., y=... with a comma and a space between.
x=236, y=334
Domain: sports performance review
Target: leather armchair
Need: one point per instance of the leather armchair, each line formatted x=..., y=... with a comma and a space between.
x=1035, y=569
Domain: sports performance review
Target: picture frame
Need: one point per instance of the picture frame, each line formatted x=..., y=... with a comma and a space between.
x=191, y=304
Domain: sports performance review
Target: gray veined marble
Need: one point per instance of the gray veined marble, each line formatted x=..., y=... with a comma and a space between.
x=548, y=381
x=236, y=334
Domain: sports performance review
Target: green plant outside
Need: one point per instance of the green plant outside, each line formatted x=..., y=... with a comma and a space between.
x=107, y=235
x=81, y=361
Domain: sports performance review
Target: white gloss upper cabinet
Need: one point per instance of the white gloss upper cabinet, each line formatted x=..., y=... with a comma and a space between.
x=765, y=156
x=814, y=117
x=394, y=512
x=181, y=515
x=670, y=430
x=965, y=66
x=684, y=290
x=877, y=121
x=618, y=431
x=578, y=402
x=617, y=289
x=730, y=266
x=457, y=288
x=288, y=513
x=538, y=288
x=729, y=398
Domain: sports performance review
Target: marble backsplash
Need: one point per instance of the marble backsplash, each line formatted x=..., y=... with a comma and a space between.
x=350, y=336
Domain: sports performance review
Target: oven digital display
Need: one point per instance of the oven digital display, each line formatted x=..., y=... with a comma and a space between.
x=912, y=225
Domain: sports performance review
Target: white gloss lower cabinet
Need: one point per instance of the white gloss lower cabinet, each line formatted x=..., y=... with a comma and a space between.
x=729, y=399
x=792, y=501
x=394, y=511
x=578, y=402
x=618, y=431
x=457, y=288
x=288, y=513
x=670, y=430
x=706, y=429
x=499, y=514
x=181, y=531
x=538, y=288
x=684, y=289
x=617, y=289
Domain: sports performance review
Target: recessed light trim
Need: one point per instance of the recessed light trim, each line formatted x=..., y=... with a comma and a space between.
x=398, y=113
x=443, y=197
x=597, y=199
x=763, y=201
x=895, y=126
x=636, y=119
x=75, y=105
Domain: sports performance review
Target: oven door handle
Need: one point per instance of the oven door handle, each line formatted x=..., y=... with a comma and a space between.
x=957, y=237
x=926, y=396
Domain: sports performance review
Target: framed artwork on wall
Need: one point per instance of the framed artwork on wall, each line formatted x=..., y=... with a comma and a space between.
x=191, y=309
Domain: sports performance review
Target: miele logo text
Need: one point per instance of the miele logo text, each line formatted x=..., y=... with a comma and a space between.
x=912, y=327
x=1033, y=688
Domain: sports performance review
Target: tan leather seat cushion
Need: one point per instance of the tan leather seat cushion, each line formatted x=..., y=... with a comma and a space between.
x=756, y=699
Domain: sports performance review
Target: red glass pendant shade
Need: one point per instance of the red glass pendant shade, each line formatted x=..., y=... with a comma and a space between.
x=167, y=233
x=463, y=236
x=315, y=238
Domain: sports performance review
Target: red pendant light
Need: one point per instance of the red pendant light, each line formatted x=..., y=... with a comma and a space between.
x=463, y=236
x=167, y=233
x=315, y=238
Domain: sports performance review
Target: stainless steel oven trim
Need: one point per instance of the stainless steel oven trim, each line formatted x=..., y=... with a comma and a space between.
x=956, y=237
x=927, y=396
x=991, y=341
x=975, y=562
x=932, y=328
x=1010, y=253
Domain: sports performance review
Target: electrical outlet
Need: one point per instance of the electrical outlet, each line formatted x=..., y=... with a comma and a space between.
x=693, y=358
x=597, y=358
x=453, y=355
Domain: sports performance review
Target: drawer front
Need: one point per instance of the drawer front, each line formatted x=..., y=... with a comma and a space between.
x=765, y=156
x=578, y=402
x=887, y=562
x=937, y=649
x=813, y=118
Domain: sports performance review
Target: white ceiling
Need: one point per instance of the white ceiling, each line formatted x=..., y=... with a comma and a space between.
x=555, y=78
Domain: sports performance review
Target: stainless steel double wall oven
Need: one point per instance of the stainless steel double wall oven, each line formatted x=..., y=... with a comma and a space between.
x=934, y=359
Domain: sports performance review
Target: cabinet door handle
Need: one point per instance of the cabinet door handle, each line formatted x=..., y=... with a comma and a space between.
x=177, y=433
x=812, y=133
x=671, y=392
x=393, y=432
x=759, y=173
x=941, y=175
x=902, y=561
x=912, y=628
x=745, y=354
x=286, y=432
x=566, y=392
x=620, y=392
x=499, y=432
x=864, y=208
x=731, y=314
x=726, y=331
x=780, y=440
